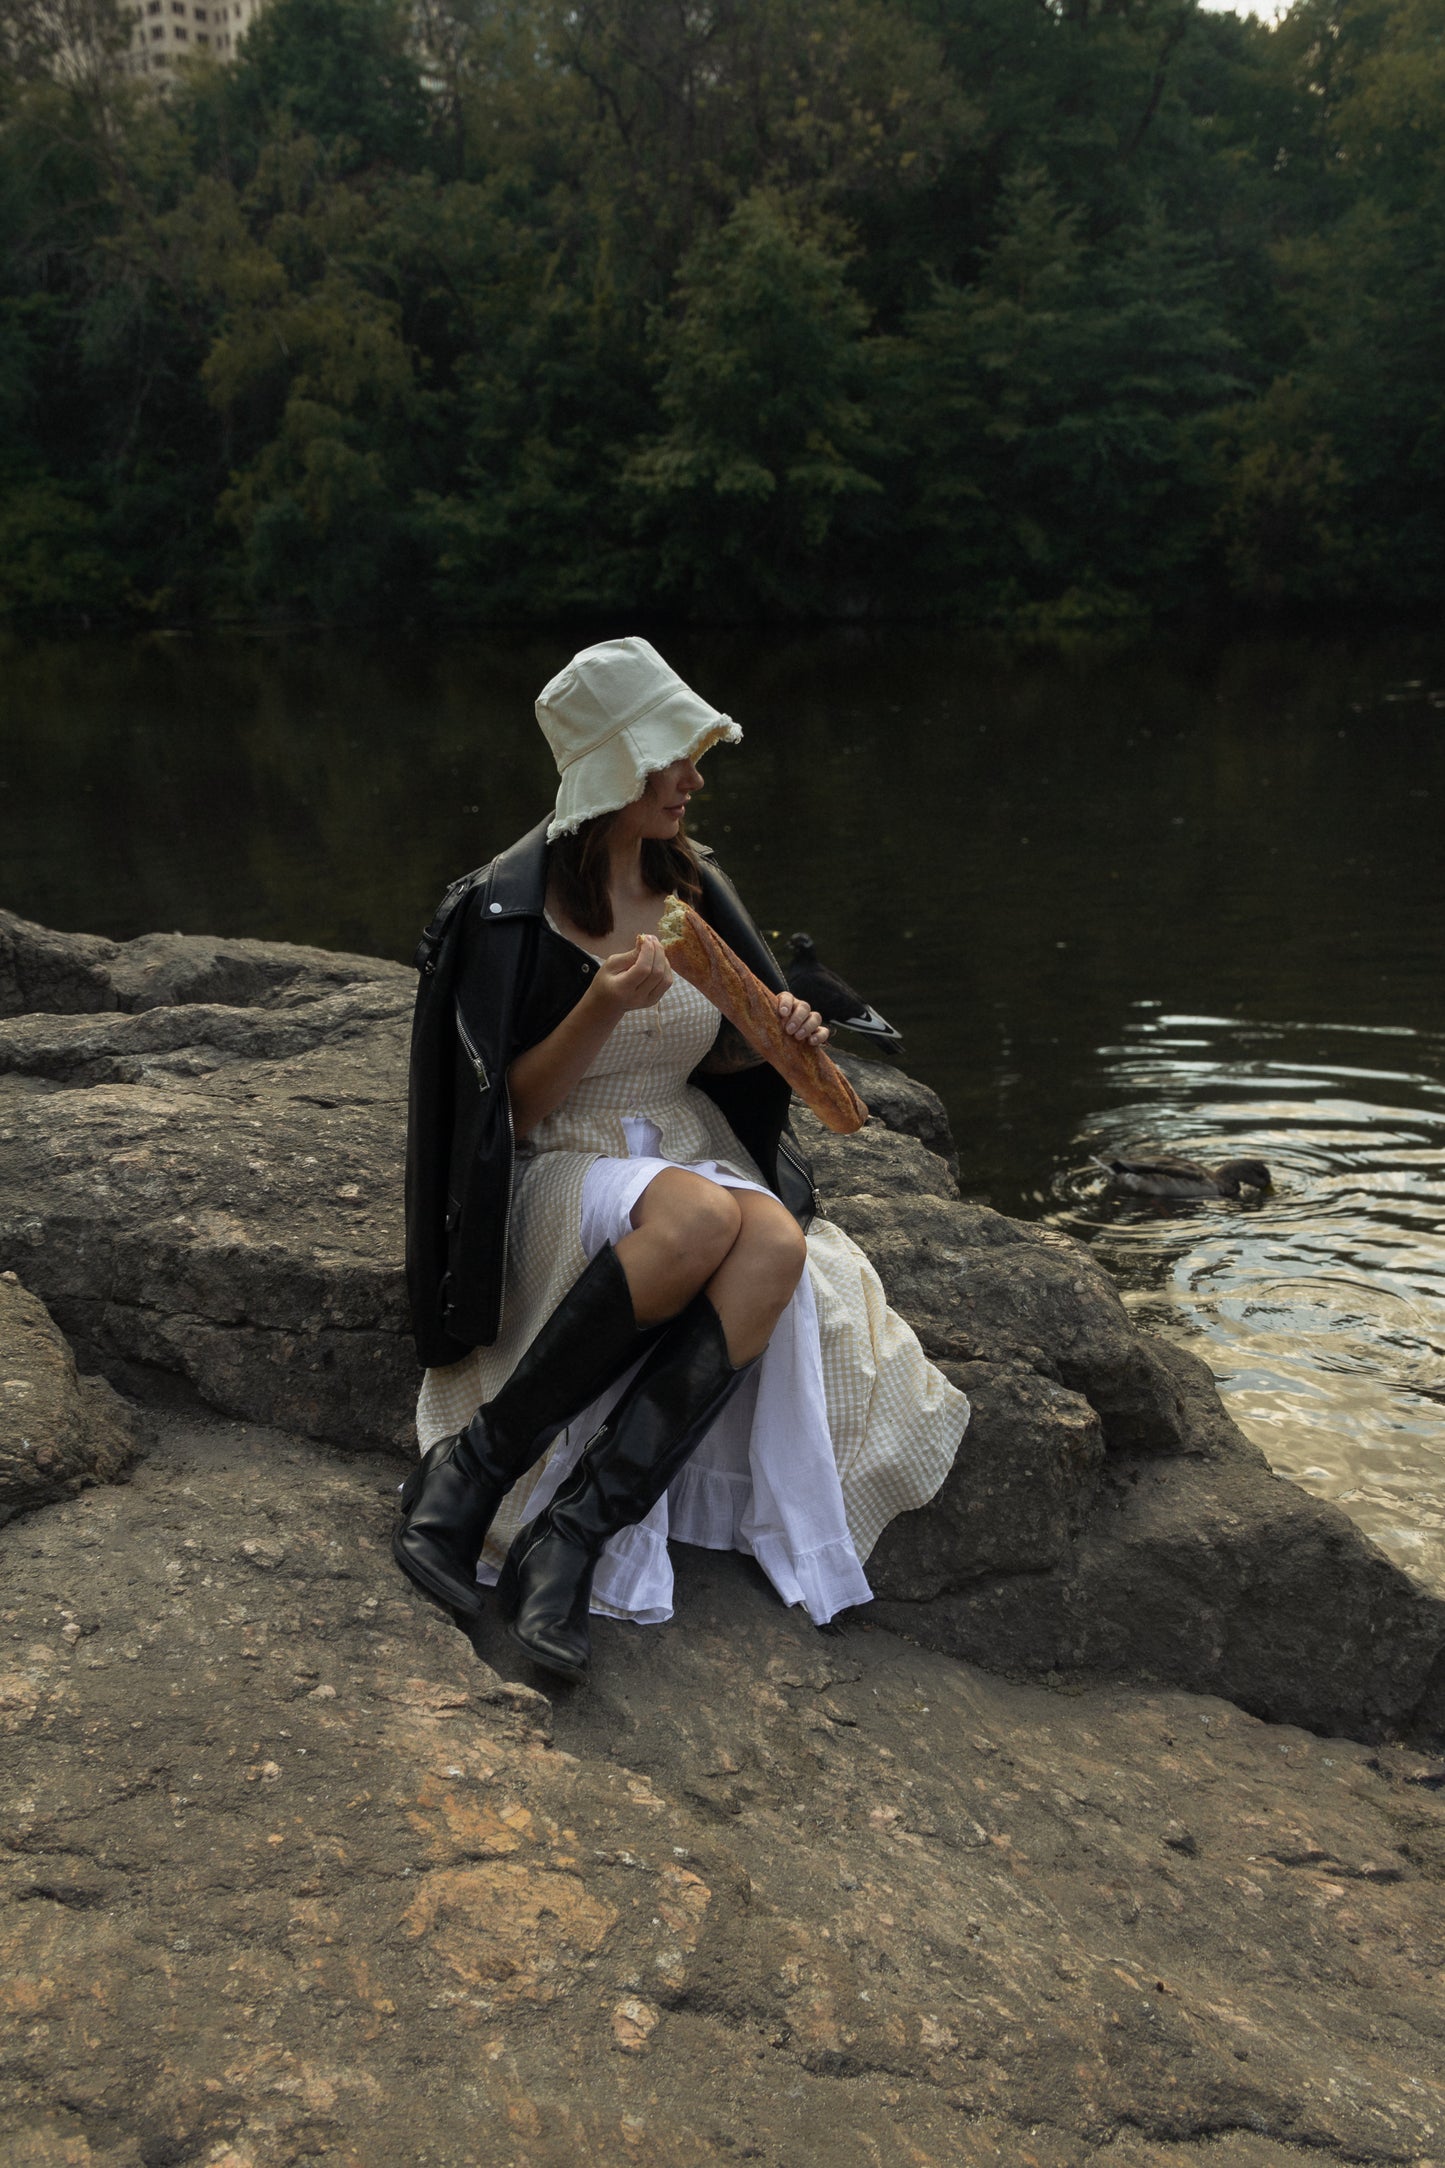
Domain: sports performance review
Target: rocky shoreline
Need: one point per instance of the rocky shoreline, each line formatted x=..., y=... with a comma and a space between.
x=292, y=1871
x=200, y=1161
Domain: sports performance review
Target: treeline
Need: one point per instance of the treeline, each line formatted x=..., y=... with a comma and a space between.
x=1023, y=311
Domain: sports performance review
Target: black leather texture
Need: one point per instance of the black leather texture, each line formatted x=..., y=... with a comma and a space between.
x=494, y=980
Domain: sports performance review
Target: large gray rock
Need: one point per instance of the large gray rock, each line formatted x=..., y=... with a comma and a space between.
x=58, y=1431
x=1205, y=1570
x=290, y=1876
x=898, y=1101
x=65, y=974
x=200, y=1161
x=212, y=1189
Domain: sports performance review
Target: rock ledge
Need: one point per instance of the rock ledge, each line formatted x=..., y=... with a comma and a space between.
x=200, y=1157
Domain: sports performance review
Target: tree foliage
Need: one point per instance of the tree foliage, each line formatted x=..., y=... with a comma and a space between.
x=997, y=309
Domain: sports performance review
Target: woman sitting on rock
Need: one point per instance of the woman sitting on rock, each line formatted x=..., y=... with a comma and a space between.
x=634, y=1324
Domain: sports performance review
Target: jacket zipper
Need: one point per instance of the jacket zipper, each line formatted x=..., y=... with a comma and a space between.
x=507, y=1215
x=470, y=1046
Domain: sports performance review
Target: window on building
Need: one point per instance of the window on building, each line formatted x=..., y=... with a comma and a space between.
x=201, y=38
x=153, y=7
x=180, y=30
x=158, y=32
x=178, y=7
x=200, y=14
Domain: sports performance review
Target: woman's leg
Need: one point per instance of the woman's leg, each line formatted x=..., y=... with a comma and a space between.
x=451, y=1497
x=545, y=1589
x=759, y=1275
x=682, y=1228
x=744, y=1248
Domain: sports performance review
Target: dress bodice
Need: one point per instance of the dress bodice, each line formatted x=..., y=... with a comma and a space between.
x=642, y=1070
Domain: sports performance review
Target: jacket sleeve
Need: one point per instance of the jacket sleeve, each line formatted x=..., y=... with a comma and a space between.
x=431, y=1114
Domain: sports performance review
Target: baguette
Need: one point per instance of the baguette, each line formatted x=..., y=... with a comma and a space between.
x=705, y=960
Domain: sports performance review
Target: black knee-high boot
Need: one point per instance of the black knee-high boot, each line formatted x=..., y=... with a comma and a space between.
x=545, y=1588
x=451, y=1497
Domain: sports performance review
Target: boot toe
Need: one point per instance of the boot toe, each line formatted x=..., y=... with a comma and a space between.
x=553, y=1648
x=435, y=1574
x=544, y=1596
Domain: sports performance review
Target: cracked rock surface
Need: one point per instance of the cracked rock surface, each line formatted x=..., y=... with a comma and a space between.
x=292, y=1872
x=58, y=1431
x=201, y=1151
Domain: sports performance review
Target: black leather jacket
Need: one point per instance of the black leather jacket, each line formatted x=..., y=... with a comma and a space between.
x=496, y=979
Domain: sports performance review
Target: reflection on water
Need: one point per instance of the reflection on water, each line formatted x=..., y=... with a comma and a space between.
x=1321, y=1307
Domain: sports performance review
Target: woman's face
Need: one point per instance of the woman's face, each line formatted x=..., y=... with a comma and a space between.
x=658, y=813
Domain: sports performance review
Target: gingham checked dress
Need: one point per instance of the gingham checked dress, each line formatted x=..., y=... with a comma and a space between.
x=843, y=1423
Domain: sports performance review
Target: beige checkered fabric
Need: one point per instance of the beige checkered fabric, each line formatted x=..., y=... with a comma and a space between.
x=895, y=1421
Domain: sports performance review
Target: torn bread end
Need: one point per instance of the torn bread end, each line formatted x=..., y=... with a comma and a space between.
x=673, y=923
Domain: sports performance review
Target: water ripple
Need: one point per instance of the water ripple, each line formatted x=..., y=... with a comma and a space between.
x=1320, y=1307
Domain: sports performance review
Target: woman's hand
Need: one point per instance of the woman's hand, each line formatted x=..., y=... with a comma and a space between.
x=801, y=1022
x=540, y=1079
x=637, y=978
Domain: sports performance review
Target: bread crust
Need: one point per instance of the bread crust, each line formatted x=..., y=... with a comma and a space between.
x=704, y=959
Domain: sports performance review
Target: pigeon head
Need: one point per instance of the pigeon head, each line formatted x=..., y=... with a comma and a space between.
x=802, y=947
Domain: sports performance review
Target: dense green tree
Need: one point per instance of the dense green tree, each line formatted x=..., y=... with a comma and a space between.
x=761, y=367
x=1332, y=482
x=343, y=71
x=1070, y=393
x=1061, y=310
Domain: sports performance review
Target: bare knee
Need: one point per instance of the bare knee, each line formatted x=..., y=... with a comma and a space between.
x=690, y=1223
x=773, y=1246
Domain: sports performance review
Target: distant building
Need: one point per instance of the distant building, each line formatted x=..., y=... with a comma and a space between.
x=165, y=31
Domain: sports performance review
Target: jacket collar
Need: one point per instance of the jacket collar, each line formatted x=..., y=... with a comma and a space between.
x=518, y=886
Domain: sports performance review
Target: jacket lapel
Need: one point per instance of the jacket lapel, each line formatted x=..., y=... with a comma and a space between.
x=518, y=886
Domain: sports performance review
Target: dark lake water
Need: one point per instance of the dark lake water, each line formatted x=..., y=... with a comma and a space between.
x=1186, y=897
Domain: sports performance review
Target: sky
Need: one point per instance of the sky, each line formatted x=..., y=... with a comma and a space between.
x=1271, y=10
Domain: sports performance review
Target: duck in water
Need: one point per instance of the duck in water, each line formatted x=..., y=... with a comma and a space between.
x=1185, y=1177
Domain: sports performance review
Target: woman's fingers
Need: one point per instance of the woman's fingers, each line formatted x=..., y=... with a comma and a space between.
x=639, y=977
x=801, y=1022
x=657, y=973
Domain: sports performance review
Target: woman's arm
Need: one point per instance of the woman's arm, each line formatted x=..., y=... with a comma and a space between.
x=539, y=1080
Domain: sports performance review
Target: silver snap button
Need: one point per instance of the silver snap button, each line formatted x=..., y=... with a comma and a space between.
x=494, y=907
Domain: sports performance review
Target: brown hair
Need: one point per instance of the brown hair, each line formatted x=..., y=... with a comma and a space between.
x=582, y=868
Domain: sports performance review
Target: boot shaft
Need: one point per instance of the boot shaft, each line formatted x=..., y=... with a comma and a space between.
x=585, y=1345
x=652, y=1432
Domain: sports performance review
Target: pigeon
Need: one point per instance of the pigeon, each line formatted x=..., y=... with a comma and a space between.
x=832, y=997
x=1185, y=1177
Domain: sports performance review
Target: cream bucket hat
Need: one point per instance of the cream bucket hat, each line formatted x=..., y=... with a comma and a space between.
x=613, y=717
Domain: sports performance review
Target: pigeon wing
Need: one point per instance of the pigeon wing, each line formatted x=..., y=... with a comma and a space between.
x=836, y=1001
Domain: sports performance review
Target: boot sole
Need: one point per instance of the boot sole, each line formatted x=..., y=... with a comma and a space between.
x=451, y=1593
